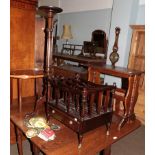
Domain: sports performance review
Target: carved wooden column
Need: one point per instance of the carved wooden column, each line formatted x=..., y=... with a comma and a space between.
x=48, y=12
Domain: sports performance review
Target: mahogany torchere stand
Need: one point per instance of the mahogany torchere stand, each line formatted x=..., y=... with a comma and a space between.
x=48, y=12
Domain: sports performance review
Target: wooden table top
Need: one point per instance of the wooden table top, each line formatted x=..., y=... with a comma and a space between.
x=66, y=141
x=116, y=71
x=80, y=59
x=27, y=74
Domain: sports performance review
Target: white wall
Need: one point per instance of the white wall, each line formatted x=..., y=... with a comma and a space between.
x=141, y=2
x=84, y=5
x=48, y=2
x=125, y=13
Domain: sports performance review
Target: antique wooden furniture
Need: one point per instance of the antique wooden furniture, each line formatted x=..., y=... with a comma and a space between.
x=97, y=45
x=70, y=71
x=100, y=40
x=22, y=28
x=130, y=83
x=85, y=61
x=80, y=104
x=39, y=43
x=21, y=75
x=80, y=68
x=66, y=140
x=64, y=95
x=137, y=61
x=22, y=34
x=49, y=13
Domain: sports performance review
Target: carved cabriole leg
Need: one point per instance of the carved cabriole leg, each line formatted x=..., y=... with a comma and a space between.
x=134, y=97
x=127, y=102
x=19, y=141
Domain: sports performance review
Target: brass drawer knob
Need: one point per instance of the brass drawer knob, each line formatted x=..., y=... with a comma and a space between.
x=75, y=119
x=70, y=122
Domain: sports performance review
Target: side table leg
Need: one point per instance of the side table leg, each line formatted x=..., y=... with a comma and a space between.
x=19, y=141
x=106, y=151
x=35, y=89
x=19, y=85
x=35, y=149
x=11, y=91
x=130, y=100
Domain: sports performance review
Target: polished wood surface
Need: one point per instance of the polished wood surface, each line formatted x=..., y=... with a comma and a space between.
x=71, y=71
x=130, y=77
x=116, y=71
x=48, y=12
x=22, y=35
x=66, y=140
x=22, y=28
x=21, y=75
x=24, y=4
x=79, y=104
x=39, y=41
x=137, y=61
x=80, y=59
x=27, y=74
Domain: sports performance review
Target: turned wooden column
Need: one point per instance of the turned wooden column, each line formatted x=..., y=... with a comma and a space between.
x=48, y=12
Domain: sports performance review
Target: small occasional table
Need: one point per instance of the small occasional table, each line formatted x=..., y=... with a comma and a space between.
x=23, y=75
x=66, y=141
x=130, y=83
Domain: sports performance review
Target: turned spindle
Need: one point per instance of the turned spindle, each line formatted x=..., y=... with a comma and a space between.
x=48, y=12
